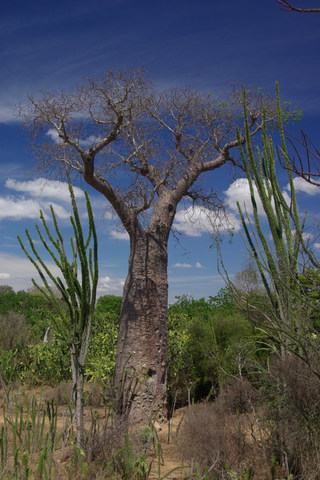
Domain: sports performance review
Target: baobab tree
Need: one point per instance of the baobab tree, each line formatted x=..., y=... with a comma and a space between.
x=144, y=151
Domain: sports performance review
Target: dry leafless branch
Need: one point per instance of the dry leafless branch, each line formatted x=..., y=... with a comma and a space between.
x=288, y=7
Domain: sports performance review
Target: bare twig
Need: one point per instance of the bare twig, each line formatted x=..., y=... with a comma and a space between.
x=288, y=7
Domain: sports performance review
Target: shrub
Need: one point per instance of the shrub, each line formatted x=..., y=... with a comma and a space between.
x=208, y=342
x=214, y=438
x=294, y=401
x=33, y=306
x=47, y=363
x=101, y=359
x=238, y=395
x=15, y=331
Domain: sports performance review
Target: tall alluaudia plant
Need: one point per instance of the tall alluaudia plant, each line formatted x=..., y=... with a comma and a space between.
x=277, y=260
x=77, y=287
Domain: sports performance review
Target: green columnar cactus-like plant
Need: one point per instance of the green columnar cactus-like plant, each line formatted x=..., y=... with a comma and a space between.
x=277, y=261
x=77, y=288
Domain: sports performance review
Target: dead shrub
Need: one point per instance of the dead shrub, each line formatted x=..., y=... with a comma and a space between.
x=212, y=436
x=15, y=331
x=238, y=395
x=93, y=395
x=103, y=442
x=295, y=416
x=61, y=394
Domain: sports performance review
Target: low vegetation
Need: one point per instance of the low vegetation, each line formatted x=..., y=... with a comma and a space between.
x=248, y=412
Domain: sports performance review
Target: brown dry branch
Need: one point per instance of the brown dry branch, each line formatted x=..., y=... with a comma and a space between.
x=288, y=7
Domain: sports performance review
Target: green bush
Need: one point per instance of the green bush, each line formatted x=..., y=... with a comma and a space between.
x=33, y=306
x=48, y=363
x=208, y=342
x=101, y=359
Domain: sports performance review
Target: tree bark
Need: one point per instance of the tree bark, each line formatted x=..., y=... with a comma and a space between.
x=141, y=365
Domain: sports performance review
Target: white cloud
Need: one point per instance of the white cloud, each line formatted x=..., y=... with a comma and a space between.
x=91, y=140
x=194, y=221
x=107, y=285
x=182, y=265
x=53, y=134
x=307, y=236
x=59, y=210
x=19, y=271
x=239, y=191
x=4, y=276
x=316, y=246
x=8, y=112
x=38, y=195
x=85, y=142
x=22, y=208
x=199, y=265
x=287, y=197
x=41, y=187
x=16, y=209
x=302, y=185
x=119, y=235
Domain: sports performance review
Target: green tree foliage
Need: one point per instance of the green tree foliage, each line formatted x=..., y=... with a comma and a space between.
x=25, y=357
x=103, y=344
x=33, y=306
x=24, y=318
x=209, y=341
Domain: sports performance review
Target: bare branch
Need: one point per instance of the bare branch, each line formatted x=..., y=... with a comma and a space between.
x=288, y=7
x=308, y=167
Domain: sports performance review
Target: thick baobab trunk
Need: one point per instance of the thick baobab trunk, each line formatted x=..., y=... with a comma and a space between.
x=141, y=367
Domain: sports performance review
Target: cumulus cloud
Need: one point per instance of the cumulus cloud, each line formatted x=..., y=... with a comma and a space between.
x=84, y=142
x=53, y=134
x=316, y=246
x=307, y=236
x=287, y=197
x=182, y=265
x=8, y=111
x=41, y=187
x=194, y=221
x=107, y=285
x=19, y=271
x=302, y=186
x=36, y=195
x=4, y=276
x=16, y=209
x=59, y=210
x=199, y=265
x=91, y=140
x=239, y=191
x=119, y=235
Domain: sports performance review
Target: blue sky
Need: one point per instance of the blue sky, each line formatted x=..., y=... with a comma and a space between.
x=204, y=45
